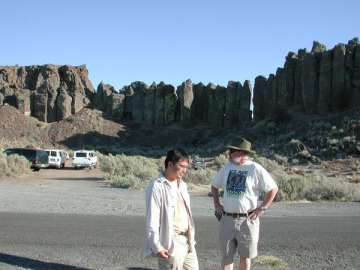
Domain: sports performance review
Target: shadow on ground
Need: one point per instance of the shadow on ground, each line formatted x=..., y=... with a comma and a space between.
x=33, y=264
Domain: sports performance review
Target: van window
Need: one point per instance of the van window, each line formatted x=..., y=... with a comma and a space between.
x=51, y=153
x=81, y=155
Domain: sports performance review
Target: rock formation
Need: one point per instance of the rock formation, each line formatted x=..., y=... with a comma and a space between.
x=317, y=82
x=49, y=93
x=161, y=105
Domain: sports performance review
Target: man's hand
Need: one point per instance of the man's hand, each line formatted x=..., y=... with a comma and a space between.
x=163, y=254
x=256, y=213
x=219, y=208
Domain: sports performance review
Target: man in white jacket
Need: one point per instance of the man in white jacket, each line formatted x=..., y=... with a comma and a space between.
x=169, y=223
x=241, y=180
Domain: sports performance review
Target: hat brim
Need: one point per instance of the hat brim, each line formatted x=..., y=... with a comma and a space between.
x=237, y=148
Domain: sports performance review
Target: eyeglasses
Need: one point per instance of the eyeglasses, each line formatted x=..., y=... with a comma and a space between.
x=232, y=151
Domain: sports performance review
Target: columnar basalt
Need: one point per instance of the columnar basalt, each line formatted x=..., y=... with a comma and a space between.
x=49, y=93
x=317, y=82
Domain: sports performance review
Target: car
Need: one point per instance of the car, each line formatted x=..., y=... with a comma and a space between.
x=84, y=158
x=198, y=163
x=39, y=159
x=57, y=158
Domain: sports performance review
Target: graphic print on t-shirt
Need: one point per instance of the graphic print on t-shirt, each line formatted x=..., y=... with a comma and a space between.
x=236, y=183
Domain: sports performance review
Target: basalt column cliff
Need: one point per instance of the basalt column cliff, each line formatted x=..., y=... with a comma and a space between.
x=317, y=82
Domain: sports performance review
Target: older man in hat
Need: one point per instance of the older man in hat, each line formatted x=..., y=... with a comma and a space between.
x=241, y=179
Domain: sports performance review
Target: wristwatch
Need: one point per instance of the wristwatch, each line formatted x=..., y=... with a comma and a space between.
x=263, y=208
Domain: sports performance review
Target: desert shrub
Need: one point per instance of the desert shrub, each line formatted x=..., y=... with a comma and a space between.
x=332, y=189
x=291, y=187
x=268, y=164
x=282, y=160
x=201, y=176
x=272, y=128
x=128, y=181
x=220, y=160
x=160, y=163
x=128, y=171
x=13, y=165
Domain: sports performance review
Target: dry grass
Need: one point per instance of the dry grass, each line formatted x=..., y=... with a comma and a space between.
x=271, y=261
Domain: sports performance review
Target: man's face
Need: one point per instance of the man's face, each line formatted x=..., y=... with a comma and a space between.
x=177, y=170
x=236, y=156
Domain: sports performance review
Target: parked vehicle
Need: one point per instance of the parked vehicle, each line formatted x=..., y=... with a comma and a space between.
x=39, y=159
x=57, y=158
x=84, y=158
x=198, y=163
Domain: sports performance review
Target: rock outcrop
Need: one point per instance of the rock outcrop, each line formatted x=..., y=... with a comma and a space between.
x=50, y=93
x=161, y=105
x=317, y=82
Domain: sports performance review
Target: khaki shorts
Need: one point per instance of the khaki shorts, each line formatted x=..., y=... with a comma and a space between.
x=238, y=233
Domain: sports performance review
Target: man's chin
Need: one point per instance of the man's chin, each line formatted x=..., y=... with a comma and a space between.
x=234, y=160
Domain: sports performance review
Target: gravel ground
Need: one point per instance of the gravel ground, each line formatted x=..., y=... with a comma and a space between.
x=70, y=191
x=85, y=192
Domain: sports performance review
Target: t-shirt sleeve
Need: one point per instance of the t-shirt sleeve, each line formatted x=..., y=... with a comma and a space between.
x=267, y=182
x=217, y=180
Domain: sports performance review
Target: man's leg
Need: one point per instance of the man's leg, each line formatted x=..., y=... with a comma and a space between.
x=191, y=261
x=245, y=263
x=228, y=242
x=226, y=266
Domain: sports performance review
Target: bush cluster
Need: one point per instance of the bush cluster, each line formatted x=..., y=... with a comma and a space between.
x=293, y=187
x=129, y=171
x=13, y=165
x=200, y=177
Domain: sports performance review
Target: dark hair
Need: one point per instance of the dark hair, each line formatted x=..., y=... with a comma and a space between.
x=175, y=155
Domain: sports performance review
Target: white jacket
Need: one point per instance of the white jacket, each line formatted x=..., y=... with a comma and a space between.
x=160, y=204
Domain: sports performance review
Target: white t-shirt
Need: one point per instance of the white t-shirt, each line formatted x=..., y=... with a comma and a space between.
x=241, y=185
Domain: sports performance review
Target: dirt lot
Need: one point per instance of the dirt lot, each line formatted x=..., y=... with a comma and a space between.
x=85, y=191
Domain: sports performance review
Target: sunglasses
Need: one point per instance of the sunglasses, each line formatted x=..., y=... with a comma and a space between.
x=232, y=150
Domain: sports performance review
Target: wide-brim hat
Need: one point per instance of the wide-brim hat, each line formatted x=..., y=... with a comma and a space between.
x=241, y=144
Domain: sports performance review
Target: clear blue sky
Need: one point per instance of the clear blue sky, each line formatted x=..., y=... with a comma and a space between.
x=168, y=40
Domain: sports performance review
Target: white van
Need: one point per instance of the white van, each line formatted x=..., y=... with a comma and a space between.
x=56, y=158
x=84, y=158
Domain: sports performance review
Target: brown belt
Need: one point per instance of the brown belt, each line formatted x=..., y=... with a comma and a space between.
x=236, y=215
x=182, y=233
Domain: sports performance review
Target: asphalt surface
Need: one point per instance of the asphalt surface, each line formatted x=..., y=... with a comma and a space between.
x=68, y=241
x=73, y=219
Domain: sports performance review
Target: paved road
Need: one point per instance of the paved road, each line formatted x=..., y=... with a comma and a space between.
x=66, y=241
